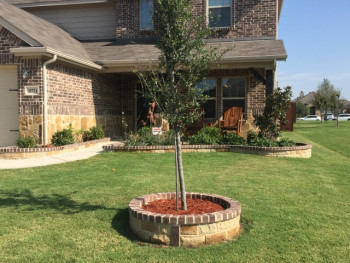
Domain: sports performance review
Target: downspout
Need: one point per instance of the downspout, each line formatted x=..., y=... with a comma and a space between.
x=45, y=95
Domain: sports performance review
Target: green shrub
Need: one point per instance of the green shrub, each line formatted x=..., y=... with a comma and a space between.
x=285, y=142
x=94, y=133
x=26, y=142
x=253, y=139
x=64, y=137
x=144, y=137
x=207, y=135
x=233, y=139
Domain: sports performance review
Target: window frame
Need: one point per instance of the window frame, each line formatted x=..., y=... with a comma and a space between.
x=217, y=7
x=213, y=98
x=233, y=98
x=140, y=16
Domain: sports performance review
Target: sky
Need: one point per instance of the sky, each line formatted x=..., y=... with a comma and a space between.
x=316, y=34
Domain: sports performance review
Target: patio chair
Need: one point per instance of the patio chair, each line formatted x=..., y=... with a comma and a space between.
x=194, y=127
x=233, y=118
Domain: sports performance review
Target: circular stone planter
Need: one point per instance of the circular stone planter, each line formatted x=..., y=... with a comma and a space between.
x=185, y=230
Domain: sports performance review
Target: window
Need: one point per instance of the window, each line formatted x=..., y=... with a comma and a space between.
x=146, y=14
x=208, y=87
x=219, y=13
x=233, y=93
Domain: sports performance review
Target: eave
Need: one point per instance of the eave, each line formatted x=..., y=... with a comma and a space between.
x=49, y=52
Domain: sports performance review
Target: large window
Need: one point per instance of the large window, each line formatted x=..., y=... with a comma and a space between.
x=219, y=13
x=208, y=87
x=146, y=14
x=233, y=93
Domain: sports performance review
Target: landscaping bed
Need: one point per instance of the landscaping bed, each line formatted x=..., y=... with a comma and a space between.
x=301, y=150
x=188, y=230
x=15, y=152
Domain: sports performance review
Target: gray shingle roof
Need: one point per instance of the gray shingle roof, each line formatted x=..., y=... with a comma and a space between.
x=307, y=99
x=44, y=33
x=24, y=2
x=253, y=49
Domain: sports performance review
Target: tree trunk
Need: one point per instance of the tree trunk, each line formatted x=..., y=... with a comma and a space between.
x=176, y=178
x=179, y=168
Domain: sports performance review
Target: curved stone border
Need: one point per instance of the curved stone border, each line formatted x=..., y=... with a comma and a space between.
x=185, y=230
x=301, y=150
x=15, y=152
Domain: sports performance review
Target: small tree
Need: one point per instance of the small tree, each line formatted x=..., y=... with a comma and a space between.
x=275, y=113
x=322, y=96
x=183, y=62
x=301, y=109
x=335, y=104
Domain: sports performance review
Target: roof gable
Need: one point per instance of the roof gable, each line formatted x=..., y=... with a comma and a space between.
x=38, y=32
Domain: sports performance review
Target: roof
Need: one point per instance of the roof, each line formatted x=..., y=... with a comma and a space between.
x=33, y=3
x=39, y=33
x=307, y=99
x=114, y=52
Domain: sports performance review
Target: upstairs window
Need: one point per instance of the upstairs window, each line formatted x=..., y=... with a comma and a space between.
x=219, y=13
x=146, y=14
x=208, y=87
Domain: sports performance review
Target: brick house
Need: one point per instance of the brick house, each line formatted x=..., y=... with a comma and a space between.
x=71, y=62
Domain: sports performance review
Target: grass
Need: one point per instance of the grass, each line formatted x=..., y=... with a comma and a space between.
x=294, y=210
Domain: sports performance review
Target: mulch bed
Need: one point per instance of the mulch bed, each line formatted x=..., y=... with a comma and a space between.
x=194, y=207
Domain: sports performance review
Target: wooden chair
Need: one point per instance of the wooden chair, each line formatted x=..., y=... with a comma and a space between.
x=233, y=118
x=194, y=127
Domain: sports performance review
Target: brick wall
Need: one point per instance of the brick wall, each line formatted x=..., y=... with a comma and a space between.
x=250, y=19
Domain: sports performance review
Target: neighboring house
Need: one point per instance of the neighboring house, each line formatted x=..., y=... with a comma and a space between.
x=71, y=62
x=309, y=101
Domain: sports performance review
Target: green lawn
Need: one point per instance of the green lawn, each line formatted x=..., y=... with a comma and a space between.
x=294, y=210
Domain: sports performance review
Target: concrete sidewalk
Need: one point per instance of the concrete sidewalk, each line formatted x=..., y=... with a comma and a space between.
x=54, y=159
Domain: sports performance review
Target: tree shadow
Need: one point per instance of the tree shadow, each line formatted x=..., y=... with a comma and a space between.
x=26, y=201
x=120, y=223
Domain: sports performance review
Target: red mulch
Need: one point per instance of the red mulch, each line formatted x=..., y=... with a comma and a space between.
x=194, y=207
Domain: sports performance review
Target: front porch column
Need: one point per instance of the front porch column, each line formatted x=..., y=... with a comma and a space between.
x=270, y=82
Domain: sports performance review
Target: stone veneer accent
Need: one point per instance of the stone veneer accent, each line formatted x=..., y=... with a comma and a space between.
x=185, y=230
x=301, y=150
x=15, y=152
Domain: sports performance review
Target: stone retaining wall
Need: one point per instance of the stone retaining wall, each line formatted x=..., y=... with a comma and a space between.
x=15, y=152
x=299, y=151
x=185, y=230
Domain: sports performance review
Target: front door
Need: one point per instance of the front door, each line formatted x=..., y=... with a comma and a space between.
x=8, y=106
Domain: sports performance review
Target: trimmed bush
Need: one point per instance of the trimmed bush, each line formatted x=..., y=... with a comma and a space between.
x=285, y=142
x=64, y=137
x=26, y=142
x=234, y=139
x=94, y=133
x=207, y=135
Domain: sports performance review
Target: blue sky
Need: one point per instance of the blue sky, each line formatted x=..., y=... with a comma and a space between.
x=316, y=35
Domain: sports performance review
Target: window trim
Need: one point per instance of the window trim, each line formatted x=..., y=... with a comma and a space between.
x=233, y=98
x=140, y=17
x=213, y=98
x=219, y=6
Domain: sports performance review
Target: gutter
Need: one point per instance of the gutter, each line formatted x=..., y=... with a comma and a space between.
x=46, y=51
x=45, y=95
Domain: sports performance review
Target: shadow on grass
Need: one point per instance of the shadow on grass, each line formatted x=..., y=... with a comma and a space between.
x=120, y=223
x=26, y=201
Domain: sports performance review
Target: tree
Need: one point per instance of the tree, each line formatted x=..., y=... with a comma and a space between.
x=275, y=113
x=301, y=109
x=183, y=62
x=322, y=96
x=335, y=104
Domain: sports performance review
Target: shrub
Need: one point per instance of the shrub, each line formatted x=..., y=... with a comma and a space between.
x=285, y=142
x=253, y=139
x=64, y=137
x=144, y=137
x=233, y=139
x=94, y=133
x=207, y=135
x=26, y=142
